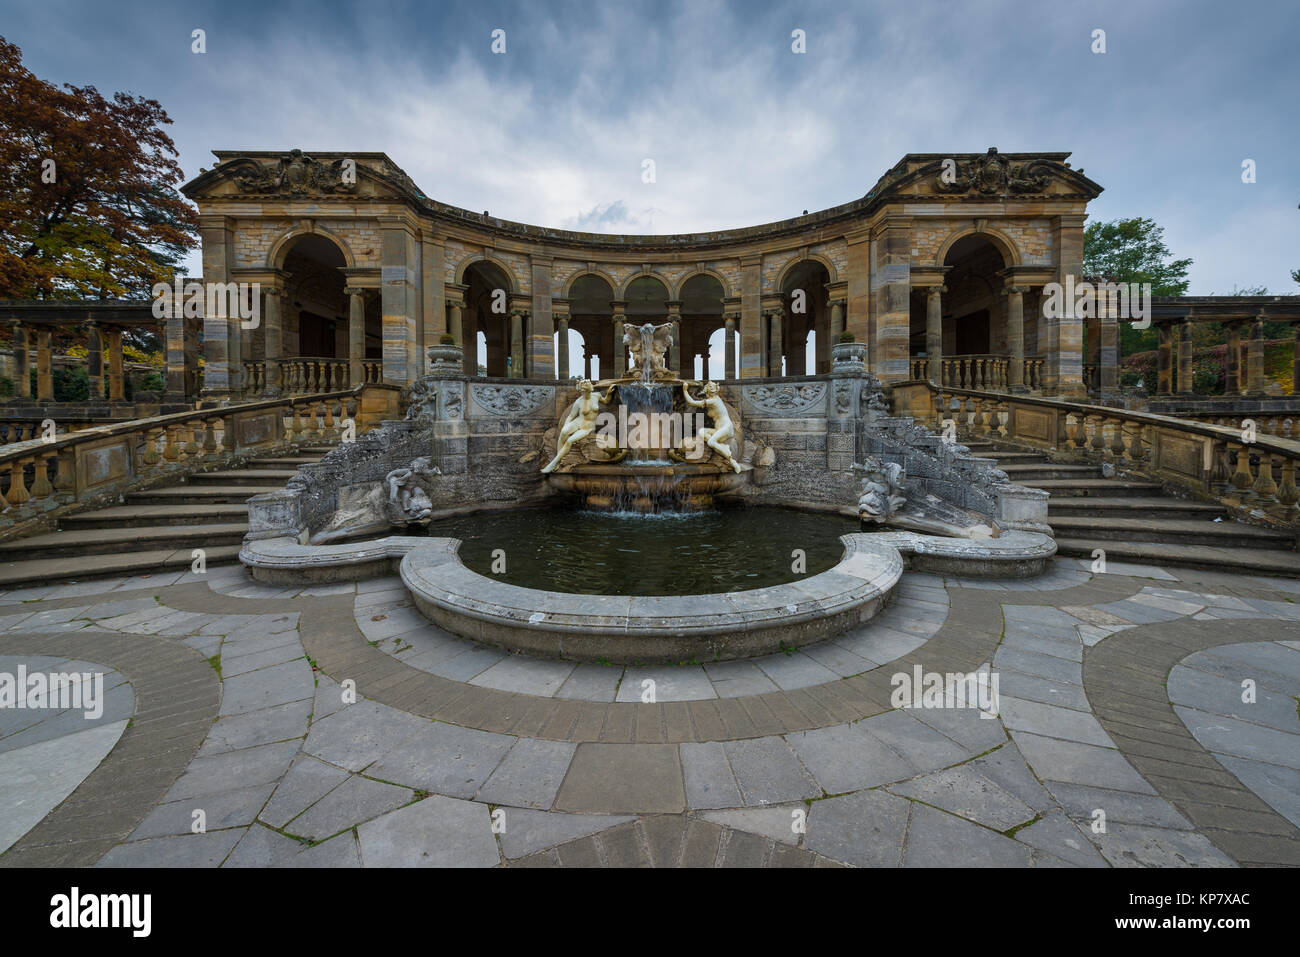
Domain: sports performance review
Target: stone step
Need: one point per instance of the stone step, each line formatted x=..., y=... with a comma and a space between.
x=266, y=478
x=1096, y=488
x=111, y=541
x=1244, y=560
x=1026, y=473
x=185, y=513
x=150, y=561
x=208, y=494
x=1194, y=531
x=287, y=462
x=316, y=449
x=1136, y=506
x=1015, y=457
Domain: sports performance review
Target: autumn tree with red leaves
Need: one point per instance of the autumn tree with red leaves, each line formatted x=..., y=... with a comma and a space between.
x=88, y=201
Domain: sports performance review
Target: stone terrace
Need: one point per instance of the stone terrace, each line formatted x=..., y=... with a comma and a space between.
x=1120, y=693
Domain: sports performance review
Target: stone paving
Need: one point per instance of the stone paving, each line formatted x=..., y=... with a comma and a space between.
x=1144, y=717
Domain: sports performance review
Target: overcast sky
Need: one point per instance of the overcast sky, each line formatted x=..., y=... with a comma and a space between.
x=741, y=129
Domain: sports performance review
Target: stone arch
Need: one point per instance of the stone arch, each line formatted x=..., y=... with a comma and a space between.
x=620, y=291
x=1000, y=240
x=481, y=257
x=279, y=250
x=675, y=291
x=797, y=261
x=598, y=273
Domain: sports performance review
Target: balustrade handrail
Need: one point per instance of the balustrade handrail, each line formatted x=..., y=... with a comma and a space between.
x=99, y=432
x=1269, y=443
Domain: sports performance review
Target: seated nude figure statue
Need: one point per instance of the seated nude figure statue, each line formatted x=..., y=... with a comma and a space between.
x=581, y=421
x=719, y=437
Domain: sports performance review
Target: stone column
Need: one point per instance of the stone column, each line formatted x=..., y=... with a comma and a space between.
x=837, y=320
x=400, y=300
x=675, y=353
x=1016, y=338
x=891, y=297
x=729, y=345
x=1295, y=360
x=273, y=340
x=517, y=370
x=1063, y=351
x=934, y=333
x=455, y=321
x=1232, y=360
x=44, y=376
x=620, y=352
x=1255, y=358
x=1164, y=360
x=22, y=361
x=751, y=318
x=95, y=361
x=1108, y=370
x=176, y=332
x=775, y=347
x=562, y=346
x=539, y=324
x=116, y=393
x=1185, y=357
x=356, y=337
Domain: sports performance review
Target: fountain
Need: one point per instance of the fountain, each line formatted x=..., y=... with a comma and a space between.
x=650, y=451
x=648, y=517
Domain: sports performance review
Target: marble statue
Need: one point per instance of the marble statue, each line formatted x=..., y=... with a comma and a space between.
x=580, y=422
x=719, y=437
x=649, y=344
x=882, y=489
x=408, y=503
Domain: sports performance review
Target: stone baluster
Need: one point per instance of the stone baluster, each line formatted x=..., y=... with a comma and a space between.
x=1117, y=440
x=210, y=451
x=18, y=482
x=1287, y=495
x=171, y=451
x=1265, y=488
x=41, y=487
x=150, y=456
x=1242, y=480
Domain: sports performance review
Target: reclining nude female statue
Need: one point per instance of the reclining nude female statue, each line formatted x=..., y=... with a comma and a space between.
x=580, y=422
x=719, y=437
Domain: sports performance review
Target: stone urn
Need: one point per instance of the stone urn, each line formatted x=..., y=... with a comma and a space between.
x=849, y=357
x=446, y=361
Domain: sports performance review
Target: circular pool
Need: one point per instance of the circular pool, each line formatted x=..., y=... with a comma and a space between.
x=623, y=553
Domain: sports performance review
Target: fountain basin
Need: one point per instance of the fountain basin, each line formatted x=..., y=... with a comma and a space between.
x=647, y=488
x=652, y=629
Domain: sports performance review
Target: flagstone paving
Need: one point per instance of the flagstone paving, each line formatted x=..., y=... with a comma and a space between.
x=1145, y=717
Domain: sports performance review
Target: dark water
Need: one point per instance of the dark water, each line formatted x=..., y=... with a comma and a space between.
x=617, y=553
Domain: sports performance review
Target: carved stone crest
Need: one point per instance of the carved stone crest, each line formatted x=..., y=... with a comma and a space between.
x=993, y=174
x=295, y=174
x=512, y=399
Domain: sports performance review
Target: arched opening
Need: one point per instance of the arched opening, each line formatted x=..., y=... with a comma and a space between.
x=591, y=316
x=807, y=319
x=701, y=321
x=578, y=360
x=974, y=307
x=314, y=319
x=487, y=310
x=717, y=367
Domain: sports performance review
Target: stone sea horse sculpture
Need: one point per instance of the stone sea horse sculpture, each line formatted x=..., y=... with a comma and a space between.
x=882, y=489
x=580, y=422
x=649, y=345
x=719, y=437
x=408, y=503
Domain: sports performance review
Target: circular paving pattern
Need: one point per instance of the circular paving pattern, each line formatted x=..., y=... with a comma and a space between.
x=335, y=726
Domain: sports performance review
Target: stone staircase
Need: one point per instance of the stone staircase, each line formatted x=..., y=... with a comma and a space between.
x=153, y=530
x=1138, y=521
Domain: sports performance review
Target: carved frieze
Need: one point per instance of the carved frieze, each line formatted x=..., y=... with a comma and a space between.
x=784, y=400
x=512, y=399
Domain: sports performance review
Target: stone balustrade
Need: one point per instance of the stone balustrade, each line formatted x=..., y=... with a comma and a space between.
x=42, y=478
x=986, y=372
x=1254, y=475
x=302, y=375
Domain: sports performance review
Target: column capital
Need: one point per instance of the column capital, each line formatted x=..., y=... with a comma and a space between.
x=1015, y=289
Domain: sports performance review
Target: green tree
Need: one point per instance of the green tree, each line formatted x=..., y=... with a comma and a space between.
x=1134, y=250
